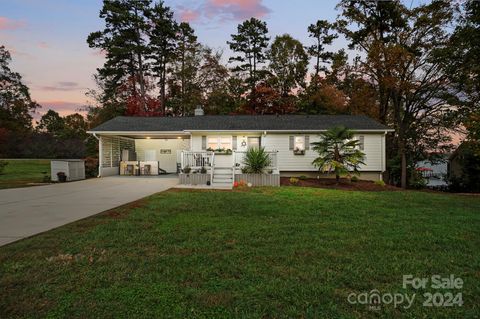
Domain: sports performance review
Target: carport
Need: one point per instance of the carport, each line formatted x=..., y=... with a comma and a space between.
x=132, y=154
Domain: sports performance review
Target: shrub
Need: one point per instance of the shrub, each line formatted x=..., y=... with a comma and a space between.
x=203, y=170
x=187, y=169
x=256, y=161
x=380, y=183
x=2, y=166
x=294, y=180
x=91, y=167
x=416, y=180
x=302, y=177
x=354, y=179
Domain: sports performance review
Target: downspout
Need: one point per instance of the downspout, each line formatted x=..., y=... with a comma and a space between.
x=99, y=154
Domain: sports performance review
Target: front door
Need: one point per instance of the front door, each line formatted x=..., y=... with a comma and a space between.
x=253, y=142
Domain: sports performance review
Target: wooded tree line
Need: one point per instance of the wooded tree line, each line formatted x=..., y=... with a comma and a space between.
x=54, y=136
x=415, y=69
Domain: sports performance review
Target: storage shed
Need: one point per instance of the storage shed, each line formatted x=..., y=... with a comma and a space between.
x=74, y=169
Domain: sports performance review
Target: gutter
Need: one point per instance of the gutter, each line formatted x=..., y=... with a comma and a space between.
x=99, y=153
x=251, y=130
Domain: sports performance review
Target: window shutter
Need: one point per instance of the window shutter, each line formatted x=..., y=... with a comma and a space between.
x=291, y=142
x=234, y=143
x=361, y=142
x=204, y=142
x=307, y=142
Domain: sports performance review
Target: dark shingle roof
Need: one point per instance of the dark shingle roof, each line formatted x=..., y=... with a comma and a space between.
x=238, y=123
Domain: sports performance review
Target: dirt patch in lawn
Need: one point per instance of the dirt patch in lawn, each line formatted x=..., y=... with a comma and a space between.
x=343, y=184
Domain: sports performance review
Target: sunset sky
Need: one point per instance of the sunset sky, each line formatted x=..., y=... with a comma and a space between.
x=47, y=38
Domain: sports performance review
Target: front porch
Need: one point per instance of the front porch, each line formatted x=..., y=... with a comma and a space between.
x=154, y=155
x=211, y=168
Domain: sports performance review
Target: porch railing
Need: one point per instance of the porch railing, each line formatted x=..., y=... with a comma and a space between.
x=196, y=160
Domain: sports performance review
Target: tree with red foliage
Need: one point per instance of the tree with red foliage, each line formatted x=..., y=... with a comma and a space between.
x=141, y=106
x=267, y=100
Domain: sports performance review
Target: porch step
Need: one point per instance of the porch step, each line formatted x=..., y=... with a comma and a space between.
x=222, y=180
x=222, y=170
x=223, y=174
x=222, y=185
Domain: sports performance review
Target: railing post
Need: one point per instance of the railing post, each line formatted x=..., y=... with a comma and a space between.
x=212, y=166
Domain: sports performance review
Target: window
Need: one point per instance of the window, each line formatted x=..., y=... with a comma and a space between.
x=219, y=142
x=361, y=142
x=299, y=143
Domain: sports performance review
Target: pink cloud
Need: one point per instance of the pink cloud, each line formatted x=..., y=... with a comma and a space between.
x=236, y=9
x=62, y=107
x=188, y=15
x=62, y=86
x=224, y=10
x=10, y=24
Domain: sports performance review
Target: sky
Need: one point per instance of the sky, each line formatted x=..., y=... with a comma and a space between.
x=47, y=38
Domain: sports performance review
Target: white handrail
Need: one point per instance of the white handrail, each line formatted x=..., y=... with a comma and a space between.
x=212, y=168
x=195, y=159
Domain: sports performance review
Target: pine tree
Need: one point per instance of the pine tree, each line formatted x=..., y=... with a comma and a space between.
x=162, y=35
x=251, y=42
x=123, y=41
x=320, y=31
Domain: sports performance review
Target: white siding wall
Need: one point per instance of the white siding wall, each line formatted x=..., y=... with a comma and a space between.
x=287, y=161
x=374, y=148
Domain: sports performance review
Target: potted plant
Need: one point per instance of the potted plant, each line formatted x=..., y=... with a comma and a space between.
x=62, y=178
x=298, y=151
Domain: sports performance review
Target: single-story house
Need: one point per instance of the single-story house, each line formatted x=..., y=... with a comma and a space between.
x=217, y=143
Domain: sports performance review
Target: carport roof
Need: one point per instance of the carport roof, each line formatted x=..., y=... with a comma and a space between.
x=238, y=123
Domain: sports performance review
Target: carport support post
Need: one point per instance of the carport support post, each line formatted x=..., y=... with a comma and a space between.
x=100, y=154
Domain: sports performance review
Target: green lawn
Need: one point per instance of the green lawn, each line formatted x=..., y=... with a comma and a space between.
x=19, y=173
x=260, y=253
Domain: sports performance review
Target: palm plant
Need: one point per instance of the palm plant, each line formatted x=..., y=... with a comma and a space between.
x=338, y=152
x=256, y=160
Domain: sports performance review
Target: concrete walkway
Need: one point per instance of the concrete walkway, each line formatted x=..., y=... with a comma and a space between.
x=28, y=211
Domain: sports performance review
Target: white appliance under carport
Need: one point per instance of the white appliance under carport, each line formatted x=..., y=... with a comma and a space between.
x=74, y=169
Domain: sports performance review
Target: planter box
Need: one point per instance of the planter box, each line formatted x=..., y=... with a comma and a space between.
x=259, y=179
x=194, y=179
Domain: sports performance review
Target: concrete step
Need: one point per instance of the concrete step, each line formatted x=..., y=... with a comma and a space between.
x=223, y=175
x=222, y=171
x=222, y=180
x=222, y=185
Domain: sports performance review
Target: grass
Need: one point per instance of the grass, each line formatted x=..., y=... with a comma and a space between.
x=261, y=253
x=20, y=173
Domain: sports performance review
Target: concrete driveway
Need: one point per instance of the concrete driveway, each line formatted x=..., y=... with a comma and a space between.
x=28, y=211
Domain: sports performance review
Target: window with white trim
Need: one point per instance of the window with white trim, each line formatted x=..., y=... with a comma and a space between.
x=299, y=143
x=219, y=142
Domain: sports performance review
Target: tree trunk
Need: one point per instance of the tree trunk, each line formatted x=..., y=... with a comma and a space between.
x=141, y=79
x=403, y=155
x=162, y=86
x=337, y=178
